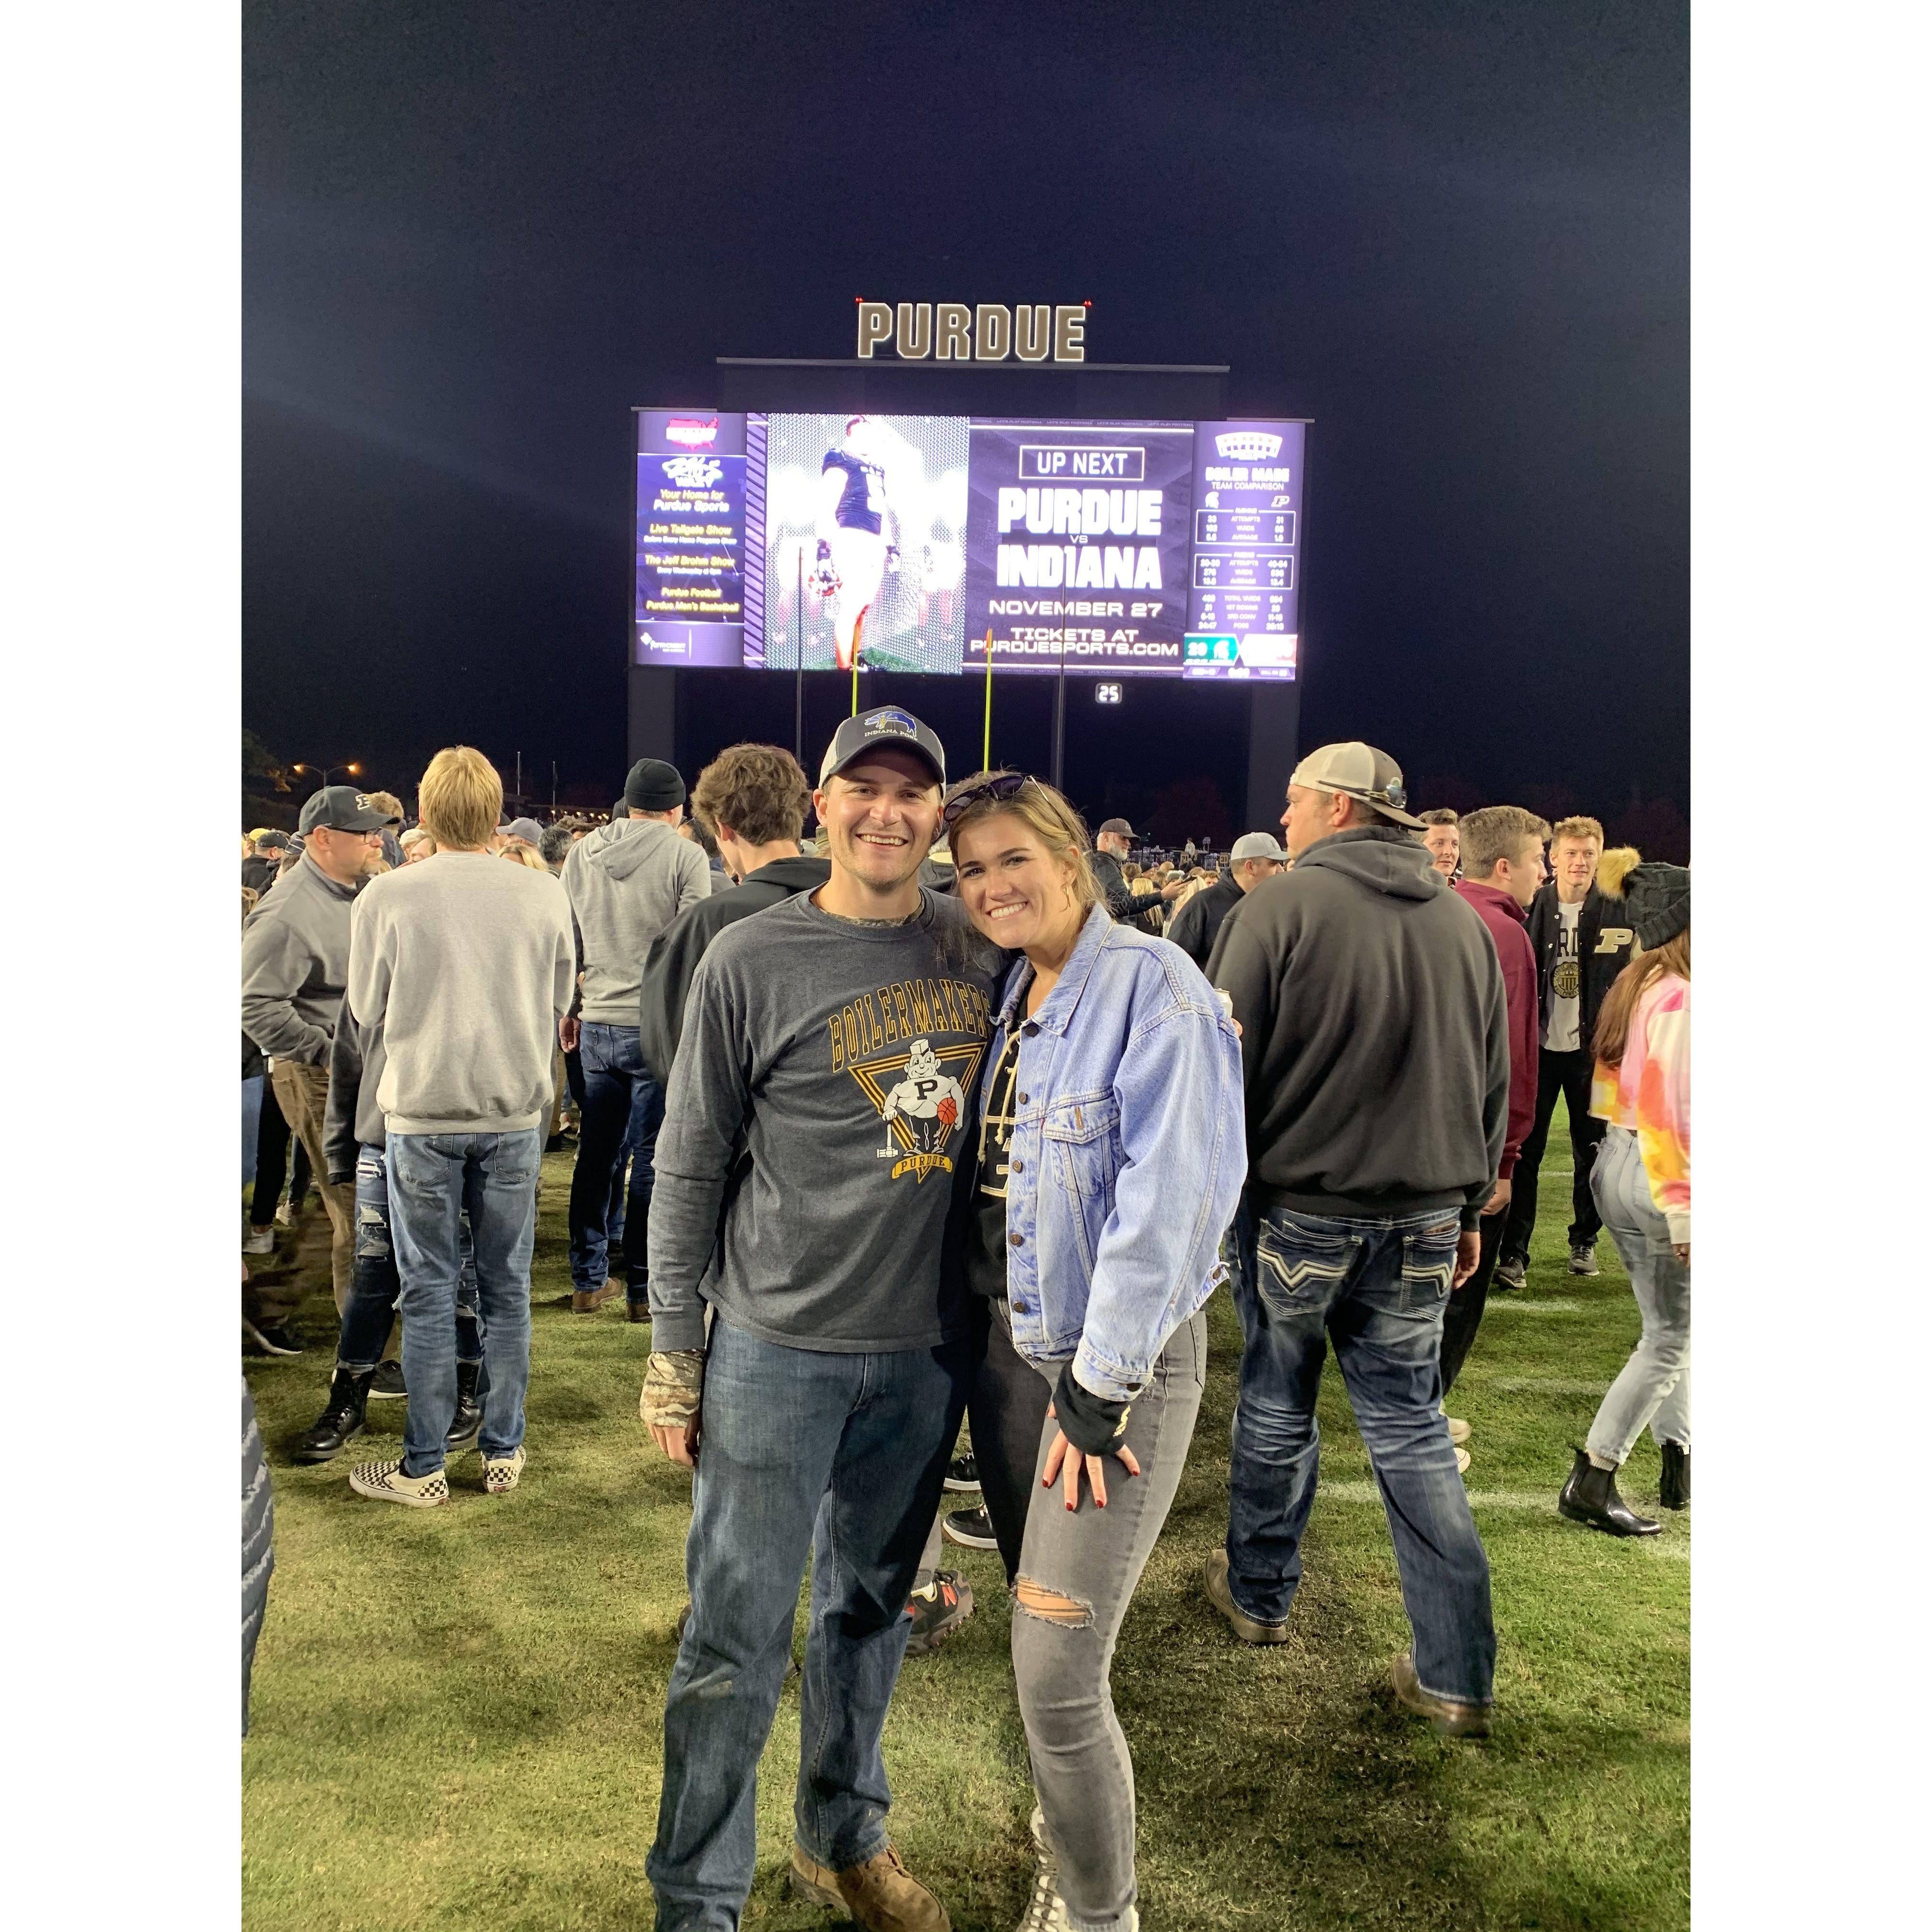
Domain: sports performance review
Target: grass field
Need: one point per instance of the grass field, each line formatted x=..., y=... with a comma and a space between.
x=457, y=1713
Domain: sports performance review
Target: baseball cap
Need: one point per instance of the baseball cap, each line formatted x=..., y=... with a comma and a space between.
x=870, y=729
x=527, y=829
x=1358, y=771
x=342, y=808
x=1120, y=826
x=1257, y=845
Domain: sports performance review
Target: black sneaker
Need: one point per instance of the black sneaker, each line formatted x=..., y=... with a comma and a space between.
x=1583, y=1258
x=340, y=1423
x=971, y=1529
x=271, y=1338
x=937, y=1611
x=387, y=1385
x=1512, y=1271
x=963, y=1473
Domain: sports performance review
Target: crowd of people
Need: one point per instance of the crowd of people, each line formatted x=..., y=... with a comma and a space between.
x=958, y=1116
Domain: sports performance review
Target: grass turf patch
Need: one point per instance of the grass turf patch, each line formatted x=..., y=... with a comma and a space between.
x=458, y=1712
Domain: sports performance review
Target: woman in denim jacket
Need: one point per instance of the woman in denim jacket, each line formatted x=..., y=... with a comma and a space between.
x=1110, y=1153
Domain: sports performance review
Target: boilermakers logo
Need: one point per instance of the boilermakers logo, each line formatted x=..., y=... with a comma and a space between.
x=991, y=332
x=1248, y=446
x=691, y=433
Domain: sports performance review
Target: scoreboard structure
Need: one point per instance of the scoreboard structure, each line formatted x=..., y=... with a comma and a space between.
x=1104, y=521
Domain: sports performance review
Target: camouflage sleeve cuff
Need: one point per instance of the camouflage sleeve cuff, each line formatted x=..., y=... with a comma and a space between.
x=673, y=1387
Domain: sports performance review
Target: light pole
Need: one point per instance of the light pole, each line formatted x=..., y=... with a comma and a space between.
x=322, y=771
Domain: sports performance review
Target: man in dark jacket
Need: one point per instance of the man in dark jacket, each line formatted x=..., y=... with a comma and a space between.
x=258, y=869
x=1256, y=856
x=1581, y=943
x=1375, y=1040
x=754, y=799
x=1111, y=844
x=1502, y=870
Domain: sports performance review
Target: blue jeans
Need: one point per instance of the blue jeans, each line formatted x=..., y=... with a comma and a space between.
x=251, y=1122
x=434, y=1179
x=623, y=1106
x=375, y=1286
x=1376, y=1288
x=844, y=1455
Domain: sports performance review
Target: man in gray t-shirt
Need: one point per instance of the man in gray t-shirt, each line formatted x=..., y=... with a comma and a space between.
x=818, y=1110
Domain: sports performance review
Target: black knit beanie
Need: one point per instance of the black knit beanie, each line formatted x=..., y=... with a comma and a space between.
x=1657, y=897
x=653, y=786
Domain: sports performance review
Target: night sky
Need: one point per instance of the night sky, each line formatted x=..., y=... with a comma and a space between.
x=1456, y=238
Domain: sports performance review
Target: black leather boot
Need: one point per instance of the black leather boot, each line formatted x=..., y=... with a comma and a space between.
x=1673, y=1486
x=469, y=1417
x=1590, y=1496
x=340, y=1421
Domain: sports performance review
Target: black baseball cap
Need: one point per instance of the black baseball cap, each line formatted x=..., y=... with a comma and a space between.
x=342, y=808
x=870, y=729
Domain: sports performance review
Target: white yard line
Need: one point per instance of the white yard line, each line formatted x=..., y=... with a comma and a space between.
x=1556, y=1305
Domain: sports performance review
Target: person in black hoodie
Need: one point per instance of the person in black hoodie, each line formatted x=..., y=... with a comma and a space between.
x=1197, y=925
x=752, y=799
x=1583, y=940
x=1376, y=1048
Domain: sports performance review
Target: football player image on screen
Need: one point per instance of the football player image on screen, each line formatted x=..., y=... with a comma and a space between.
x=855, y=546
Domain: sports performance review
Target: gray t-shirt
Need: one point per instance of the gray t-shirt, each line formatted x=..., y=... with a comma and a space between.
x=820, y=1107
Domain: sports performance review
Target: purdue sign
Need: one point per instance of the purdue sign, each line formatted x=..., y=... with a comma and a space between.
x=954, y=332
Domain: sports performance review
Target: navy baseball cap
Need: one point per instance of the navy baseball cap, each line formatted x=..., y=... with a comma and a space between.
x=870, y=730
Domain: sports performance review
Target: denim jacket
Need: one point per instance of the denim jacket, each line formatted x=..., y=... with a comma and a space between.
x=1128, y=1152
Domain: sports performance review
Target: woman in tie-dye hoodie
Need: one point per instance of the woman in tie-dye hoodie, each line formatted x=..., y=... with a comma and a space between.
x=1642, y=1182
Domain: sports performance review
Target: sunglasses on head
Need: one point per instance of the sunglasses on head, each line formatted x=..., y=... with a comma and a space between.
x=999, y=787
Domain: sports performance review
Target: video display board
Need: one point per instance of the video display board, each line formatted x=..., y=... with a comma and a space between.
x=1163, y=549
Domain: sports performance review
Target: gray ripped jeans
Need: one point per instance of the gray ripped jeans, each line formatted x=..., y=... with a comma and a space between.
x=1092, y=1559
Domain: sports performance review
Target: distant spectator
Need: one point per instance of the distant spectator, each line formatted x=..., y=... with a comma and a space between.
x=390, y=807
x=1257, y=856
x=295, y=966
x=258, y=869
x=556, y=842
x=417, y=843
x=755, y=797
x=464, y=968
x=625, y=884
x=1442, y=835
x=518, y=854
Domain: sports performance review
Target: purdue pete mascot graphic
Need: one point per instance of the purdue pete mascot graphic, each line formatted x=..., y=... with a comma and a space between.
x=926, y=1104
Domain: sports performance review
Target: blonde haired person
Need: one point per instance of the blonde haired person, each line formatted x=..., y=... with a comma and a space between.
x=518, y=854
x=1093, y=1285
x=417, y=844
x=1641, y=1179
x=465, y=967
x=1583, y=940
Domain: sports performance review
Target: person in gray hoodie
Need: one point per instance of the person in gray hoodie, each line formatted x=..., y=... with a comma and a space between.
x=625, y=884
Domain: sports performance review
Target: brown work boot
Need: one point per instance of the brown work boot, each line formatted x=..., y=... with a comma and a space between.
x=880, y=1894
x=587, y=1301
x=1243, y=1626
x=1449, y=1717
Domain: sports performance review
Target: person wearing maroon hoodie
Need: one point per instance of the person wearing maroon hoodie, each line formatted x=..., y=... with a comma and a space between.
x=1502, y=867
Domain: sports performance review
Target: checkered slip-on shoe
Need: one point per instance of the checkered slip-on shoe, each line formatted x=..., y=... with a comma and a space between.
x=500, y=1472
x=387, y=1483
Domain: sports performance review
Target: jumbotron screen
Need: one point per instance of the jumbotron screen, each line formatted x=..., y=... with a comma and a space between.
x=1151, y=549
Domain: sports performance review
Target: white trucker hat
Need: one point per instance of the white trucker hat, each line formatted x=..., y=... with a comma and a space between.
x=1356, y=770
